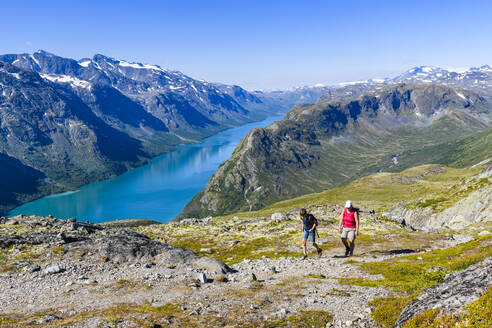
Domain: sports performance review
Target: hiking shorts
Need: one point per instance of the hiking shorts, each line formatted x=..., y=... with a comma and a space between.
x=309, y=235
x=348, y=233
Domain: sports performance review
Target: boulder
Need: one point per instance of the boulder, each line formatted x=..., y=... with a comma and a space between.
x=211, y=265
x=277, y=217
x=54, y=269
x=456, y=291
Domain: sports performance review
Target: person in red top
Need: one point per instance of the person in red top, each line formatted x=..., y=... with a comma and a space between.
x=349, y=227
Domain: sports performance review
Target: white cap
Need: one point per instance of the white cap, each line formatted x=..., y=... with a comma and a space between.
x=348, y=204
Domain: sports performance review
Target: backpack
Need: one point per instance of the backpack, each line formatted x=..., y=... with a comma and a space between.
x=313, y=220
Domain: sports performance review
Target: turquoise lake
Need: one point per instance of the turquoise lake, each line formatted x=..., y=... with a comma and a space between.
x=157, y=191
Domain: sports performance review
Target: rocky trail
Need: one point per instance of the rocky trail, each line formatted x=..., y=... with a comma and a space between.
x=75, y=274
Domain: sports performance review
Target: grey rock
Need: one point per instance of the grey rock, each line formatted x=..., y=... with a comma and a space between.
x=203, y=278
x=211, y=265
x=454, y=292
x=33, y=268
x=277, y=217
x=117, y=245
x=50, y=318
x=476, y=207
x=54, y=269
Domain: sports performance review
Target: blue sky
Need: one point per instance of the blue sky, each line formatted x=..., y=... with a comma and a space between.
x=259, y=44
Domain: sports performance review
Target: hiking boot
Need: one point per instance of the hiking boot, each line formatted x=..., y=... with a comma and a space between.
x=304, y=257
x=347, y=251
x=351, y=252
x=319, y=252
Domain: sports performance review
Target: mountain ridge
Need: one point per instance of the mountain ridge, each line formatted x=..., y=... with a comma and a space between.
x=304, y=152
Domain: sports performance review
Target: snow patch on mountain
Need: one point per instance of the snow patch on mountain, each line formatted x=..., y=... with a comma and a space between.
x=85, y=63
x=16, y=75
x=461, y=95
x=140, y=66
x=60, y=78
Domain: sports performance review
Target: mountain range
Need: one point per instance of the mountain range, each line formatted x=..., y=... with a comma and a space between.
x=65, y=122
x=478, y=79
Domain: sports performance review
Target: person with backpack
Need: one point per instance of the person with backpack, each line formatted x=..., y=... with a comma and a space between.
x=309, y=225
x=349, y=227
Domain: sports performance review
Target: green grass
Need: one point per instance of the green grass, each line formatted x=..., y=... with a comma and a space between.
x=409, y=275
x=381, y=191
x=388, y=309
x=307, y=319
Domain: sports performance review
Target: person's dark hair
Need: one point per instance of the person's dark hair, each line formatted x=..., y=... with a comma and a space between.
x=303, y=212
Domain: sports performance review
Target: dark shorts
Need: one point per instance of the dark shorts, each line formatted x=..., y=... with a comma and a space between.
x=309, y=235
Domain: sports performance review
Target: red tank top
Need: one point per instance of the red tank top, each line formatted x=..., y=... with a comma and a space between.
x=348, y=219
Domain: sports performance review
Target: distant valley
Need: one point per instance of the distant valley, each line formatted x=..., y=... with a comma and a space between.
x=65, y=122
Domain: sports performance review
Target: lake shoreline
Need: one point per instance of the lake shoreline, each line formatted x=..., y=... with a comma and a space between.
x=26, y=209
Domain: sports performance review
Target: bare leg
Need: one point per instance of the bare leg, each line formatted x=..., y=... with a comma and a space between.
x=347, y=247
x=344, y=241
x=316, y=246
x=352, y=246
x=304, y=247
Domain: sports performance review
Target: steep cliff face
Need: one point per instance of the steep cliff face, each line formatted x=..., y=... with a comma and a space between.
x=53, y=133
x=316, y=147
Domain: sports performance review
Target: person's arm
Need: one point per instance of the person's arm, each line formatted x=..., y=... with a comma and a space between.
x=315, y=224
x=302, y=224
x=341, y=223
x=356, y=216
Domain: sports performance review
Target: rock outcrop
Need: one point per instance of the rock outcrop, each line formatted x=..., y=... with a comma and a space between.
x=456, y=291
x=476, y=207
x=110, y=244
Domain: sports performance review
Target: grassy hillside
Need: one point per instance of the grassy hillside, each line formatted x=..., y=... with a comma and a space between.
x=460, y=153
x=260, y=236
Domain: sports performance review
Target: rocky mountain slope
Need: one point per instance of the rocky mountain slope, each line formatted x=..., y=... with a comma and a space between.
x=245, y=269
x=57, y=141
x=70, y=122
x=116, y=90
x=316, y=147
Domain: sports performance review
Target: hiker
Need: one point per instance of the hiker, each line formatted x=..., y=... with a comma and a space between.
x=309, y=224
x=349, y=227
